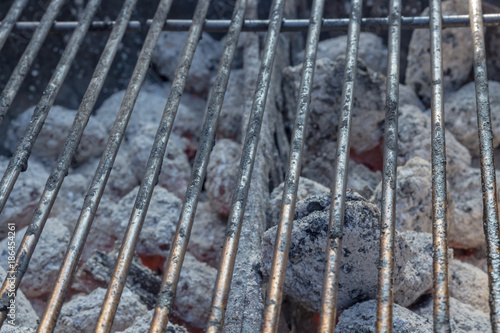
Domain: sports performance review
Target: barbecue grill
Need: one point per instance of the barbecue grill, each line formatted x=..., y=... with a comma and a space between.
x=276, y=24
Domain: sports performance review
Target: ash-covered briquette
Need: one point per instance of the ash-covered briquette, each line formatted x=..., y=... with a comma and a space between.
x=24, y=196
x=41, y=275
x=175, y=172
x=361, y=317
x=26, y=318
x=371, y=50
x=463, y=317
x=414, y=139
x=231, y=114
x=414, y=197
x=51, y=139
x=142, y=324
x=469, y=285
x=222, y=174
x=81, y=313
x=206, y=59
x=456, y=52
x=305, y=267
x=461, y=115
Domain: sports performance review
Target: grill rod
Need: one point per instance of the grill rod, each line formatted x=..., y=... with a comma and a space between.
x=441, y=312
x=288, y=25
x=186, y=218
x=17, y=77
x=19, y=161
x=283, y=234
x=69, y=264
x=385, y=292
x=10, y=20
x=337, y=208
x=488, y=177
x=224, y=276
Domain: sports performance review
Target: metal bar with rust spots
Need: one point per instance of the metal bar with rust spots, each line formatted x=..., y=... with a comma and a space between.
x=51, y=190
x=9, y=21
x=19, y=161
x=385, y=295
x=108, y=310
x=282, y=245
x=488, y=177
x=17, y=77
x=335, y=227
x=179, y=243
x=230, y=248
x=441, y=295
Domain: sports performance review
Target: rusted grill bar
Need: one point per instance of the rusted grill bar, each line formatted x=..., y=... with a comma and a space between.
x=11, y=88
x=19, y=161
x=75, y=246
x=439, y=202
x=337, y=207
x=235, y=220
x=282, y=245
x=276, y=24
x=10, y=20
x=179, y=244
x=488, y=175
x=385, y=296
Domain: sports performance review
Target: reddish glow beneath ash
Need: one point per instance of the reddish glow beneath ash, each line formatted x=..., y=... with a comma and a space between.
x=154, y=262
x=373, y=159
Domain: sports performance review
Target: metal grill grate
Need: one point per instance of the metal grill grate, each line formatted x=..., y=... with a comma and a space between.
x=276, y=24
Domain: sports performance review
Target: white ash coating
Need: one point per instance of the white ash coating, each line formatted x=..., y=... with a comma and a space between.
x=463, y=317
x=361, y=317
x=469, y=285
x=362, y=180
x=222, y=174
x=461, y=115
x=149, y=108
x=41, y=275
x=306, y=261
x=52, y=137
x=207, y=235
x=24, y=196
x=414, y=197
x=417, y=275
x=456, y=51
x=143, y=323
x=206, y=59
x=26, y=318
x=305, y=189
x=467, y=231
x=414, y=139
x=175, y=171
x=81, y=313
x=159, y=225
x=194, y=291
x=371, y=50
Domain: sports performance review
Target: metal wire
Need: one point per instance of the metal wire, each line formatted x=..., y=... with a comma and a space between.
x=388, y=206
x=488, y=177
x=239, y=200
x=19, y=161
x=179, y=243
x=439, y=202
x=108, y=310
x=11, y=88
x=64, y=27
x=10, y=19
x=282, y=244
x=77, y=242
x=335, y=228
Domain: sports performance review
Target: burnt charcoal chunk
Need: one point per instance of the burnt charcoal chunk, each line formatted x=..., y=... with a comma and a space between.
x=456, y=52
x=304, y=275
x=143, y=323
x=469, y=285
x=361, y=317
